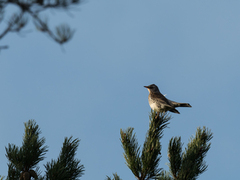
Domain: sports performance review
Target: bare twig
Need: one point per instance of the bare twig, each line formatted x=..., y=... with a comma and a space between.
x=62, y=34
x=44, y=26
x=14, y=21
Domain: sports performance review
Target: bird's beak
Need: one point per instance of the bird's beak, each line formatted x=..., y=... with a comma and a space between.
x=147, y=88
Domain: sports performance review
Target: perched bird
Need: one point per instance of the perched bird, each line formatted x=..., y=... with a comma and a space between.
x=160, y=103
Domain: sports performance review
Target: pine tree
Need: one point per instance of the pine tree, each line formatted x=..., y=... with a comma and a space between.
x=23, y=160
x=34, y=9
x=183, y=165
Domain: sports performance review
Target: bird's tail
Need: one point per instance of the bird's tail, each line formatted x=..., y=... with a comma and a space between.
x=184, y=105
x=176, y=104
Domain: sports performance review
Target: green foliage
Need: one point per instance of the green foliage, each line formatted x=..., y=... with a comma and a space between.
x=151, y=152
x=144, y=164
x=189, y=164
x=66, y=166
x=145, y=167
x=13, y=172
x=25, y=158
x=115, y=177
x=131, y=148
x=175, y=155
x=164, y=176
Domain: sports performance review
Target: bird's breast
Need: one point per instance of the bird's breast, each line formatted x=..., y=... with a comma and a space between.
x=153, y=103
x=154, y=106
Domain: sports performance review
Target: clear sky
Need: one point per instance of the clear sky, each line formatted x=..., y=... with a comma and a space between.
x=190, y=49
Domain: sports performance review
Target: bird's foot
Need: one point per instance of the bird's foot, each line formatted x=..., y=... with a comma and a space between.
x=157, y=115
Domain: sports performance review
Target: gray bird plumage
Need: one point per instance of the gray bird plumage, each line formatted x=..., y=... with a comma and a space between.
x=160, y=103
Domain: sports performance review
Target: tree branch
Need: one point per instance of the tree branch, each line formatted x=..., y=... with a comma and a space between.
x=33, y=8
x=44, y=27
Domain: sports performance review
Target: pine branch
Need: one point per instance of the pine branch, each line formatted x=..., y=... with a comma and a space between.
x=23, y=159
x=189, y=164
x=13, y=172
x=15, y=156
x=131, y=151
x=145, y=167
x=115, y=177
x=151, y=152
x=63, y=32
x=33, y=146
x=164, y=176
x=66, y=166
x=33, y=7
x=15, y=24
x=175, y=156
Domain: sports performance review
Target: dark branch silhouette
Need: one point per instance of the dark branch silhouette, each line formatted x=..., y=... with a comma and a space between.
x=33, y=9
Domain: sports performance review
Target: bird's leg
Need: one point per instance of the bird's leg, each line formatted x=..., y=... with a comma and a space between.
x=157, y=115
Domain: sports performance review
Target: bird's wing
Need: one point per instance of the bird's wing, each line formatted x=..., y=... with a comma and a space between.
x=162, y=99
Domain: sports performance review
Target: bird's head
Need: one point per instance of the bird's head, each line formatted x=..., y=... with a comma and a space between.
x=152, y=88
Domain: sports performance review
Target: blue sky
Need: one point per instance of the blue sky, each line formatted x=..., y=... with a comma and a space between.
x=190, y=49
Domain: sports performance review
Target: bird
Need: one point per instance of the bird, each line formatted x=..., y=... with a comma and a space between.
x=160, y=103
